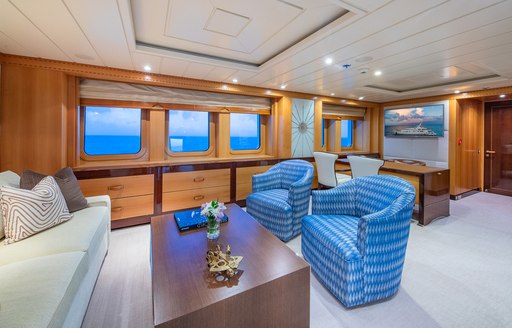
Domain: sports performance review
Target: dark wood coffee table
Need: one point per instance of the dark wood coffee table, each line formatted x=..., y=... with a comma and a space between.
x=271, y=288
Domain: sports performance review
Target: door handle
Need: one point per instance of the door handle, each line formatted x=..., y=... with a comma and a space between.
x=490, y=152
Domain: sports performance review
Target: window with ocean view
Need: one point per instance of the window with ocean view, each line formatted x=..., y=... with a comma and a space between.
x=189, y=131
x=112, y=131
x=244, y=131
x=346, y=134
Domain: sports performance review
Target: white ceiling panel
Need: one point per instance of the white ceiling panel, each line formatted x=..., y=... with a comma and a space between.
x=101, y=22
x=198, y=70
x=15, y=25
x=416, y=44
x=172, y=66
x=63, y=32
x=141, y=59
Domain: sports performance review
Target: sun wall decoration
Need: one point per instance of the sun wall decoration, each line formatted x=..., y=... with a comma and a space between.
x=303, y=122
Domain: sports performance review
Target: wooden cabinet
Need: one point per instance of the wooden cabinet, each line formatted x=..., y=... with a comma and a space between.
x=131, y=196
x=190, y=189
x=244, y=179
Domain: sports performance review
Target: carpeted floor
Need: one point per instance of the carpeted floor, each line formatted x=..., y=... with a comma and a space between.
x=458, y=273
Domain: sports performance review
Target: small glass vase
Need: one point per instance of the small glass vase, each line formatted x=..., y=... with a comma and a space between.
x=212, y=229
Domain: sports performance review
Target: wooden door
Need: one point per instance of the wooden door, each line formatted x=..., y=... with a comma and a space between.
x=498, y=148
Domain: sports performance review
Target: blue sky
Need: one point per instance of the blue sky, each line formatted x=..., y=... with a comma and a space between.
x=427, y=114
x=126, y=122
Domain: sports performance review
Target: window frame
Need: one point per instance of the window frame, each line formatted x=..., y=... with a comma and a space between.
x=143, y=138
x=261, y=132
x=352, y=147
x=211, y=136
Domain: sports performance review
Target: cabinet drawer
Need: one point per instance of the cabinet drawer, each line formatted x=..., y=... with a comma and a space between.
x=193, y=198
x=132, y=206
x=244, y=174
x=119, y=187
x=195, y=179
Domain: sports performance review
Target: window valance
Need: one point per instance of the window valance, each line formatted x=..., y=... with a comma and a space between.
x=335, y=112
x=105, y=93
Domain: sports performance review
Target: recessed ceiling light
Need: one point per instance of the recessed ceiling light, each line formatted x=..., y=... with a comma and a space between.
x=147, y=77
x=235, y=81
x=377, y=73
x=456, y=91
x=315, y=98
x=283, y=86
x=328, y=61
x=332, y=93
x=343, y=100
x=503, y=96
x=268, y=92
x=361, y=98
x=224, y=87
x=147, y=68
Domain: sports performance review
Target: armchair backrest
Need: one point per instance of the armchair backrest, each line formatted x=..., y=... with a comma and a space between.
x=325, y=166
x=292, y=171
x=364, y=166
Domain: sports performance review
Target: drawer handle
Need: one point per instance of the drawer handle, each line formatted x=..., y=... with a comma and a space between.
x=198, y=197
x=116, y=187
x=117, y=209
x=199, y=179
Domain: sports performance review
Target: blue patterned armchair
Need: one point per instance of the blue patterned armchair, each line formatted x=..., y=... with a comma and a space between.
x=356, y=238
x=280, y=197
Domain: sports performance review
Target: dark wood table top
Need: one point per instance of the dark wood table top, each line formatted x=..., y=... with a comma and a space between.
x=180, y=277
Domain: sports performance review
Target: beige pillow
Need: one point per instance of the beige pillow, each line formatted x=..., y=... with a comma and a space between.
x=27, y=212
x=7, y=178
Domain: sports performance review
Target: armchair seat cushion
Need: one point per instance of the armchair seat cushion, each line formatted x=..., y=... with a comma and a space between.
x=334, y=233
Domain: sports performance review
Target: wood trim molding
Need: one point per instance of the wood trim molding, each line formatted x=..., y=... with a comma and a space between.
x=130, y=76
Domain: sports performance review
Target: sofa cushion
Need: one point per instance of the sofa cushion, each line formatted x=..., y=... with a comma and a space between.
x=7, y=178
x=27, y=212
x=38, y=292
x=67, y=182
x=83, y=231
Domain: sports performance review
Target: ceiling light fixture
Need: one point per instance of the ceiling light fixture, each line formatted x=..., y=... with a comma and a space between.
x=361, y=98
x=328, y=61
x=268, y=92
x=503, y=95
x=235, y=81
x=224, y=87
x=343, y=100
x=332, y=93
x=283, y=86
x=456, y=91
x=147, y=68
x=377, y=73
x=315, y=98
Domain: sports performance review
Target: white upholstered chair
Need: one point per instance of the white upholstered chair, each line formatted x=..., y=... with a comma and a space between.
x=325, y=166
x=363, y=166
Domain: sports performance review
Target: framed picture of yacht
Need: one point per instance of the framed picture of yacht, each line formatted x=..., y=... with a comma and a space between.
x=418, y=121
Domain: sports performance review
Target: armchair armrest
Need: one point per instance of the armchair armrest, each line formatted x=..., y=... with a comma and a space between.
x=336, y=201
x=300, y=190
x=266, y=181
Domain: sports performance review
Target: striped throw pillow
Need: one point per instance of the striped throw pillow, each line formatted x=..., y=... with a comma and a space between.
x=27, y=212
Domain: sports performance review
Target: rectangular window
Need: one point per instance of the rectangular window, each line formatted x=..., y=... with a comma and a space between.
x=244, y=131
x=189, y=131
x=347, y=130
x=112, y=131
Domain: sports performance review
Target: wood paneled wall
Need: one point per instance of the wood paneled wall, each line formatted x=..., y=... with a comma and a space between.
x=33, y=119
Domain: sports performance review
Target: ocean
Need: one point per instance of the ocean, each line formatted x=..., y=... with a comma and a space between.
x=389, y=130
x=116, y=145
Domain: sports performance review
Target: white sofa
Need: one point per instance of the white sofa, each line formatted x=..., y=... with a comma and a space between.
x=47, y=279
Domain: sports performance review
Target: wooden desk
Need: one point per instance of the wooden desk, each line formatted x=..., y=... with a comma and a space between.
x=271, y=288
x=432, y=186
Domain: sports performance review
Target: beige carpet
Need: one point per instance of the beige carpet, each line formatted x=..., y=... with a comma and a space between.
x=458, y=273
